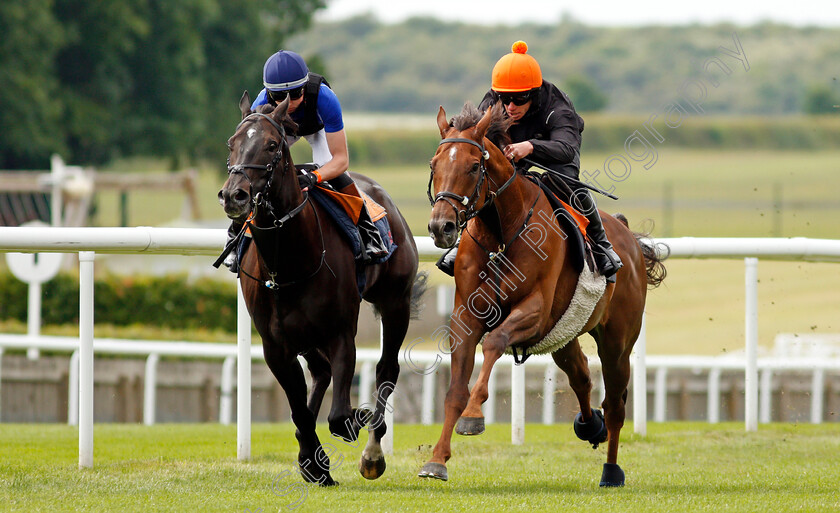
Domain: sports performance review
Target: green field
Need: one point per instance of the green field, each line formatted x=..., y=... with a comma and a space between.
x=676, y=467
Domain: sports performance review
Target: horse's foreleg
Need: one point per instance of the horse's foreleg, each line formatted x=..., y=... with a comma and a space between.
x=462, y=363
x=395, y=319
x=313, y=462
x=522, y=324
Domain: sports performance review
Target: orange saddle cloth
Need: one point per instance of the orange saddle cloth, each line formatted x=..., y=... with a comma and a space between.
x=352, y=205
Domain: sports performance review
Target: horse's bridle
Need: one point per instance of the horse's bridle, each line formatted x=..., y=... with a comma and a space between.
x=462, y=216
x=259, y=200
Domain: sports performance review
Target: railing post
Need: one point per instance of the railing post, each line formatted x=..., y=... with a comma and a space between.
x=73, y=390
x=366, y=380
x=428, y=409
x=549, y=383
x=766, y=398
x=660, y=394
x=150, y=390
x=517, y=404
x=713, y=398
x=86, y=359
x=640, y=381
x=817, y=391
x=243, y=377
x=751, y=342
x=490, y=403
x=226, y=391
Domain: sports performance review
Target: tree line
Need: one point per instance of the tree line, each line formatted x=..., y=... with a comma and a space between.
x=421, y=63
x=97, y=80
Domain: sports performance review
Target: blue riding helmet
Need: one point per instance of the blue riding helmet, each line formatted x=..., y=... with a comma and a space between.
x=285, y=70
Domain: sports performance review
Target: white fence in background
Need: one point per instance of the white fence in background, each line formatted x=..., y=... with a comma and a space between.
x=175, y=241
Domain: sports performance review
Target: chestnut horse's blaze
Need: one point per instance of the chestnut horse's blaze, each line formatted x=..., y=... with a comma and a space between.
x=312, y=307
x=468, y=172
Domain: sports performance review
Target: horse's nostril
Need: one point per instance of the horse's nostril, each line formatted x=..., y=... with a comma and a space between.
x=448, y=228
x=240, y=196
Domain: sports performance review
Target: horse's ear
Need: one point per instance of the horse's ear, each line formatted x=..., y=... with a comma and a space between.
x=484, y=123
x=443, y=124
x=280, y=110
x=245, y=104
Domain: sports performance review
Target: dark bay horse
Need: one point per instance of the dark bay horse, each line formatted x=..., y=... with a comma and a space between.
x=531, y=291
x=299, y=282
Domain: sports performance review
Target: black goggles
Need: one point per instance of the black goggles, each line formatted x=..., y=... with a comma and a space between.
x=275, y=97
x=517, y=99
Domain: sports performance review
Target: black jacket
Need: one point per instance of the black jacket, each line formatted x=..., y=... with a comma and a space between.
x=551, y=125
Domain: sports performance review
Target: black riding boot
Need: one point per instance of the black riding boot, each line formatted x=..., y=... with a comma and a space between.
x=606, y=258
x=446, y=262
x=232, y=261
x=372, y=244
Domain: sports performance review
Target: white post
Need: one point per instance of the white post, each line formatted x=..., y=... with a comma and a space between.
x=549, y=379
x=366, y=383
x=490, y=403
x=713, y=399
x=226, y=399
x=640, y=381
x=243, y=377
x=73, y=392
x=428, y=410
x=765, y=408
x=33, y=315
x=387, y=442
x=517, y=404
x=57, y=179
x=86, y=359
x=817, y=391
x=660, y=394
x=150, y=390
x=751, y=353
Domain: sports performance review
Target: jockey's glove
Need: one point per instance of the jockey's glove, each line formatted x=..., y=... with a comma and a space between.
x=307, y=180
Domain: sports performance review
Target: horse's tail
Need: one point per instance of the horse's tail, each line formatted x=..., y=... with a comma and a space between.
x=418, y=288
x=655, y=254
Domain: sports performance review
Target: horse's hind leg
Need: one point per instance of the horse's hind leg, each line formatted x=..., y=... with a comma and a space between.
x=589, y=423
x=320, y=369
x=395, y=319
x=615, y=365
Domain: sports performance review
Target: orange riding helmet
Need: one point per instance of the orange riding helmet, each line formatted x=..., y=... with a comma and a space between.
x=516, y=71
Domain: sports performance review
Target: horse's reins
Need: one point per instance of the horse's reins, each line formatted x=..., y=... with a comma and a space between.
x=260, y=200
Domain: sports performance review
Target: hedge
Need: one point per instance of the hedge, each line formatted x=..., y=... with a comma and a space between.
x=170, y=302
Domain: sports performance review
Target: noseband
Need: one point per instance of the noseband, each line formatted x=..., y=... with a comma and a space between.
x=462, y=216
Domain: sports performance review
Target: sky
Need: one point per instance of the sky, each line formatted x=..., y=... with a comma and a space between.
x=593, y=12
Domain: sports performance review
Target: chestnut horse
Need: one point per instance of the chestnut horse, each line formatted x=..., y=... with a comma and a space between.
x=299, y=282
x=470, y=177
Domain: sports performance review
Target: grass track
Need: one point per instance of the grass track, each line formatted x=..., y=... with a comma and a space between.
x=676, y=467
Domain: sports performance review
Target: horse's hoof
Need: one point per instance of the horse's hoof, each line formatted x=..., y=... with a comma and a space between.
x=612, y=475
x=594, y=431
x=470, y=426
x=435, y=470
x=371, y=469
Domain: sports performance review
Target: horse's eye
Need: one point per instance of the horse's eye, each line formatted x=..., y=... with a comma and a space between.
x=474, y=169
x=272, y=145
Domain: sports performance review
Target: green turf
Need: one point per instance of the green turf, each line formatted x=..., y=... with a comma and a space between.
x=676, y=467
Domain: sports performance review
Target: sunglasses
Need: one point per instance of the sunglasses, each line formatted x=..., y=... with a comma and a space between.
x=279, y=96
x=517, y=99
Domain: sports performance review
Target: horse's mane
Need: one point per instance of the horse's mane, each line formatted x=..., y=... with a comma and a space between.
x=497, y=132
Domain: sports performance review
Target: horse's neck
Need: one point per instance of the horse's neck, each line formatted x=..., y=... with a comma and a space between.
x=514, y=202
